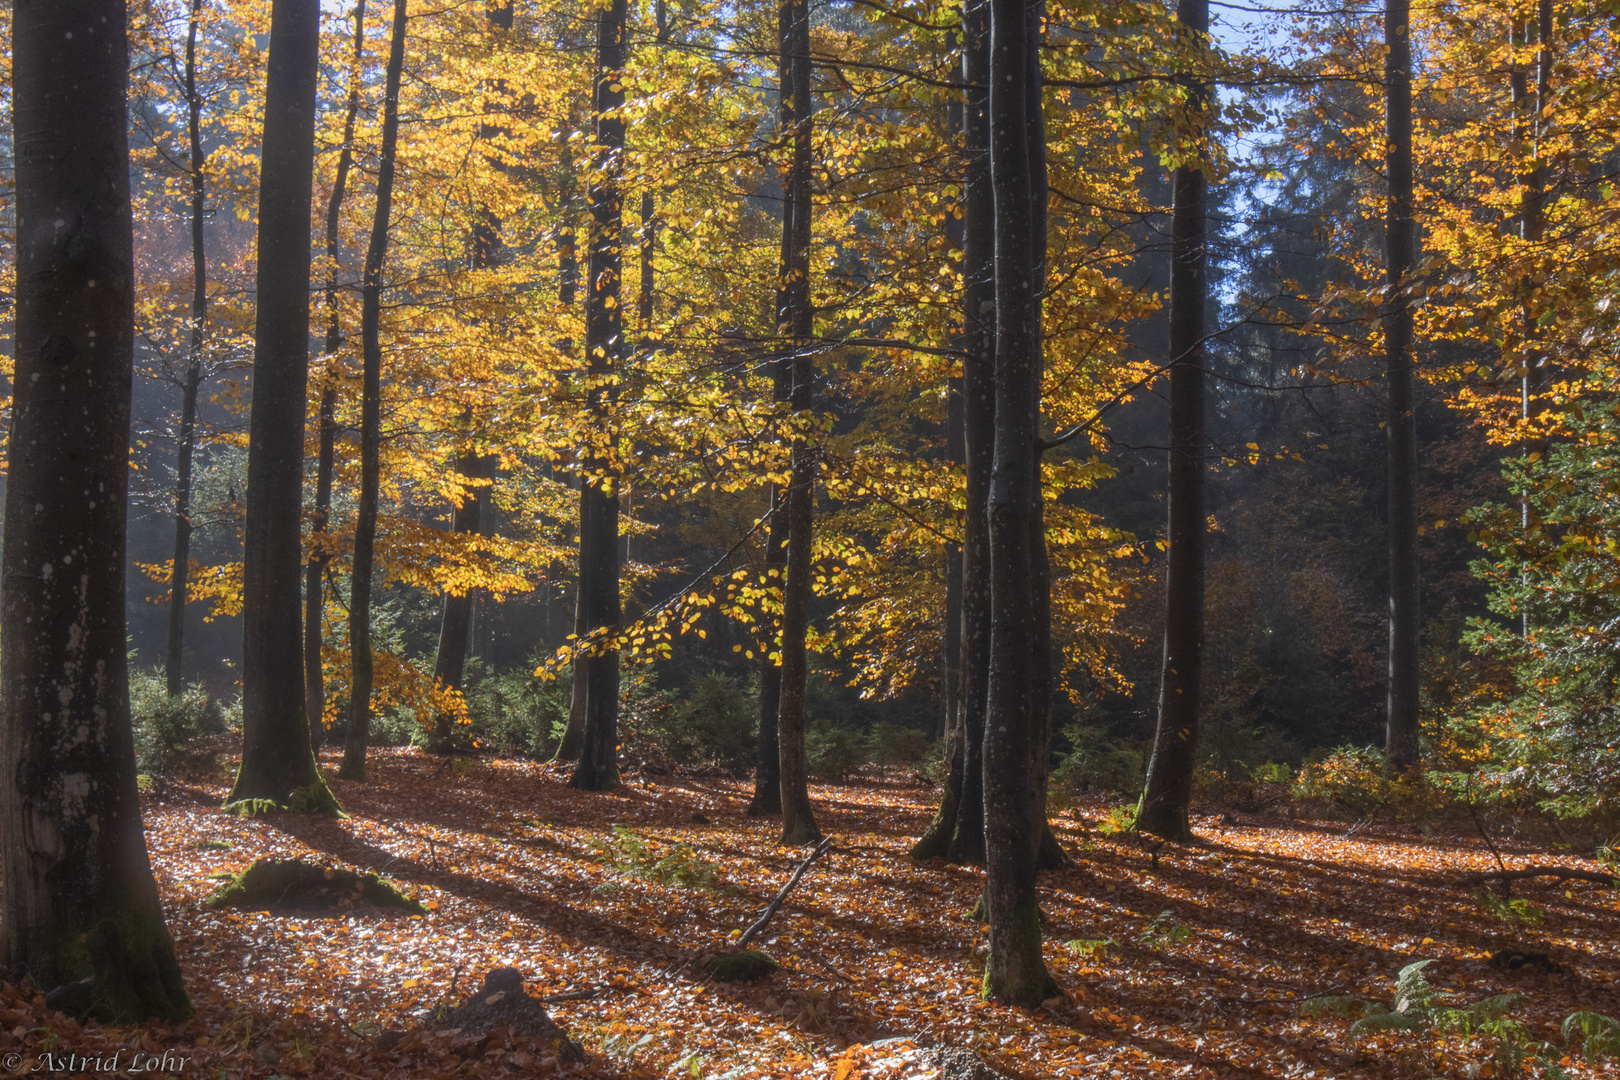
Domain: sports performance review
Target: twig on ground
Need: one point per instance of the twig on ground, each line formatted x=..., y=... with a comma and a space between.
x=1562, y=873
x=770, y=912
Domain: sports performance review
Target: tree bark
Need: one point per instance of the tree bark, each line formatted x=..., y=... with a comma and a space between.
x=277, y=764
x=319, y=555
x=1401, y=734
x=1168, y=792
x=194, y=369
x=79, y=899
x=767, y=800
x=365, y=526
x=957, y=831
x=598, y=768
x=797, y=112
x=455, y=625
x=567, y=283
x=1015, y=972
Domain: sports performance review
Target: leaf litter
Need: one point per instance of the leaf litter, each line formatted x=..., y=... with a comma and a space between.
x=1189, y=961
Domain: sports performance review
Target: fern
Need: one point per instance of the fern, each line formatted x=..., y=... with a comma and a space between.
x=1092, y=948
x=1163, y=931
x=1600, y=1034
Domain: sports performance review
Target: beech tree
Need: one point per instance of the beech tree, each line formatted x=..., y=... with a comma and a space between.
x=1401, y=734
x=1014, y=805
x=796, y=325
x=277, y=764
x=365, y=530
x=81, y=914
x=192, y=379
x=598, y=768
x=1168, y=792
x=320, y=557
x=957, y=832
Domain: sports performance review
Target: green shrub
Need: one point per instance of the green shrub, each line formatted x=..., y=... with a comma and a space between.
x=716, y=724
x=1349, y=780
x=633, y=856
x=896, y=744
x=831, y=752
x=175, y=736
x=512, y=712
x=1092, y=760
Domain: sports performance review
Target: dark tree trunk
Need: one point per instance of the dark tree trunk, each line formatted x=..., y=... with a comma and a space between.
x=598, y=768
x=955, y=449
x=1175, y=744
x=798, y=818
x=567, y=284
x=320, y=555
x=1401, y=734
x=1013, y=809
x=455, y=626
x=767, y=800
x=957, y=832
x=276, y=758
x=194, y=369
x=365, y=526
x=79, y=899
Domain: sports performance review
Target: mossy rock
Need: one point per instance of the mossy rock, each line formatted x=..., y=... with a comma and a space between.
x=292, y=885
x=745, y=966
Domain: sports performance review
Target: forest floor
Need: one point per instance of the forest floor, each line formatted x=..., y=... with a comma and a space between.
x=880, y=959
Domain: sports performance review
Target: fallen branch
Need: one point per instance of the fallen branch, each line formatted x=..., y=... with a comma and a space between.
x=1562, y=873
x=571, y=995
x=770, y=912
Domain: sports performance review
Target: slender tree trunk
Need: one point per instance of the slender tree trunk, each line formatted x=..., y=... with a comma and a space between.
x=1014, y=819
x=1168, y=792
x=955, y=451
x=79, y=900
x=320, y=555
x=767, y=800
x=1401, y=741
x=957, y=831
x=798, y=818
x=455, y=626
x=598, y=768
x=365, y=526
x=567, y=284
x=194, y=367
x=1532, y=227
x=276, y=758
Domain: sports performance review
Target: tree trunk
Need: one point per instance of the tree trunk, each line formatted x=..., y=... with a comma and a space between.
x=957, y=832
x=455, y=626
x=567, y=282
x=1401, y=734
x=79, y=899
x=598, y=768
x=798, y=818
x=365, y=526
x=194, y=367
x=319, y=555
x=277, y=764
x=1015, y=972
x=1168, y=793
x=767, y=800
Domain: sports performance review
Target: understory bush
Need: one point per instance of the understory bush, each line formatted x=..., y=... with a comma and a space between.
x=1093, y=760
x=176, y=736
x=716, y=724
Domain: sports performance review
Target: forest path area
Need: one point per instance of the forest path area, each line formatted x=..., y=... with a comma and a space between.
x=1193, y=963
